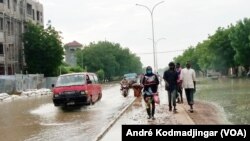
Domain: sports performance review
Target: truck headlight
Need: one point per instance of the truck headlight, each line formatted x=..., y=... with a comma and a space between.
x=56, y=95
x=83, y=93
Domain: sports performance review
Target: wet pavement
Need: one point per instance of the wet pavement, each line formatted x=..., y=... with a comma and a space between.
x=136, y=114
x=37, y=119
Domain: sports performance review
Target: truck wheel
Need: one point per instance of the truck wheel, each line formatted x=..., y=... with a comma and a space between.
x=100, y=96
x=91, y=101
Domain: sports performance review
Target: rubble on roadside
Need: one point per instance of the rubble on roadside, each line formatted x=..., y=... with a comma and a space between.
x=4, y=96
x=27, y=93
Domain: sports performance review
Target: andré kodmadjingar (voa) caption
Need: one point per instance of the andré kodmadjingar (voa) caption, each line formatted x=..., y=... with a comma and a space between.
x=205, y=132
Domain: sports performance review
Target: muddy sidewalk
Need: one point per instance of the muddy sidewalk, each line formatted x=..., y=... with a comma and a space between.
x=204, y=113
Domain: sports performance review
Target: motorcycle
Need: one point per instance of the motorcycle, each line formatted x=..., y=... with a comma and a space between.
x=125, y=90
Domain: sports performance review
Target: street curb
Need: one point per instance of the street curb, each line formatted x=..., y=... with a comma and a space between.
x=106, y=129
x=191, y=121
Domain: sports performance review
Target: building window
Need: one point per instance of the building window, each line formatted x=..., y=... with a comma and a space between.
x=8, y=1
x=11, y=50
x=12, y=28
x=1, y=48
x=41, y=16
x=1, y=1
x=33, y=14
x=14, y=5
x=38, y=15
x=19, y=28
x=25, y=28
x=8, y=27
x=1, y=24
x=21, y=7
x=29, y=9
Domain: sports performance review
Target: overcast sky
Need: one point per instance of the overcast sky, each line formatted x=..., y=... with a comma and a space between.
x=178, y=24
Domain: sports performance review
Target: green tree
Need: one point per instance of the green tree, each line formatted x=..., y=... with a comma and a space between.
x=113, y=59
x=240, y=40
x=76, y=69
x=204, y=59
x=100, y=74
x=188, y=55
x=221, y=50
x=65, y=68
x=43, y=49
x=228, y=47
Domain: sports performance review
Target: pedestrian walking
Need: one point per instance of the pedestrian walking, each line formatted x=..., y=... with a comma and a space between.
x=170, y=77
x=150, y=84
x=188, y=79
x=179, y=84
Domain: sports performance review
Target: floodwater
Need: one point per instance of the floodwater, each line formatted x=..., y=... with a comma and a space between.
x=37, y=119
x=232, y=95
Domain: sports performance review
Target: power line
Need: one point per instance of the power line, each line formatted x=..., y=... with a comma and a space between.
x=161, y=52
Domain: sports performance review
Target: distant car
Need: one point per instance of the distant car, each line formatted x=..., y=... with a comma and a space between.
x=131, y=77
x=213, y=75
x=76, y=89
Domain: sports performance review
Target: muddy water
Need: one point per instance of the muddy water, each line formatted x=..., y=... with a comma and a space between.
x=233, y=95
x=36, y=119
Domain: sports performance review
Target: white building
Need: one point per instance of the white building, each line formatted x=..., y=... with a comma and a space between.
x=70, y=52
x=13, y=16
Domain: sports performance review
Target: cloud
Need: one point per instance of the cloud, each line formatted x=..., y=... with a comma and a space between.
x=183, y=23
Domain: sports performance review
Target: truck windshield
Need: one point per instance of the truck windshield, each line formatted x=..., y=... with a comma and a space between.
x=69, y=80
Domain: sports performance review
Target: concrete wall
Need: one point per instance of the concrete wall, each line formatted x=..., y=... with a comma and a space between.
x=7, y=84
x=18, y=83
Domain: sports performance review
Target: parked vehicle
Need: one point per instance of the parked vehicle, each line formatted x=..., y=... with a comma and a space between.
x=132, y=78
x=213, y=75
x=76, y=89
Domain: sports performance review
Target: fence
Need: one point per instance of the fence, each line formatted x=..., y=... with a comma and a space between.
x=22, y=82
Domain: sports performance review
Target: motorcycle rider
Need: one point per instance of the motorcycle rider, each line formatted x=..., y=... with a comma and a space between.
x=150, y=84
x=125, y=82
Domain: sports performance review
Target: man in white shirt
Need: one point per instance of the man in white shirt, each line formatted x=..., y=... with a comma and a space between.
x=188, y=79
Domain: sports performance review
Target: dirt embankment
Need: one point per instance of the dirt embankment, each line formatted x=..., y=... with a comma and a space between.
x=207, y=113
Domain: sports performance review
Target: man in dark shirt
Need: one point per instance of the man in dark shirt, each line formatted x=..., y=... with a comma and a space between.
x=170, y=77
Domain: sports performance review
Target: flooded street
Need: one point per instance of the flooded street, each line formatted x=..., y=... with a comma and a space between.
x=232, y=95
x=36, y=118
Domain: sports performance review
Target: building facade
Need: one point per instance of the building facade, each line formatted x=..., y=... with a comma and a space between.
x=13, y=16
x=70, y=52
